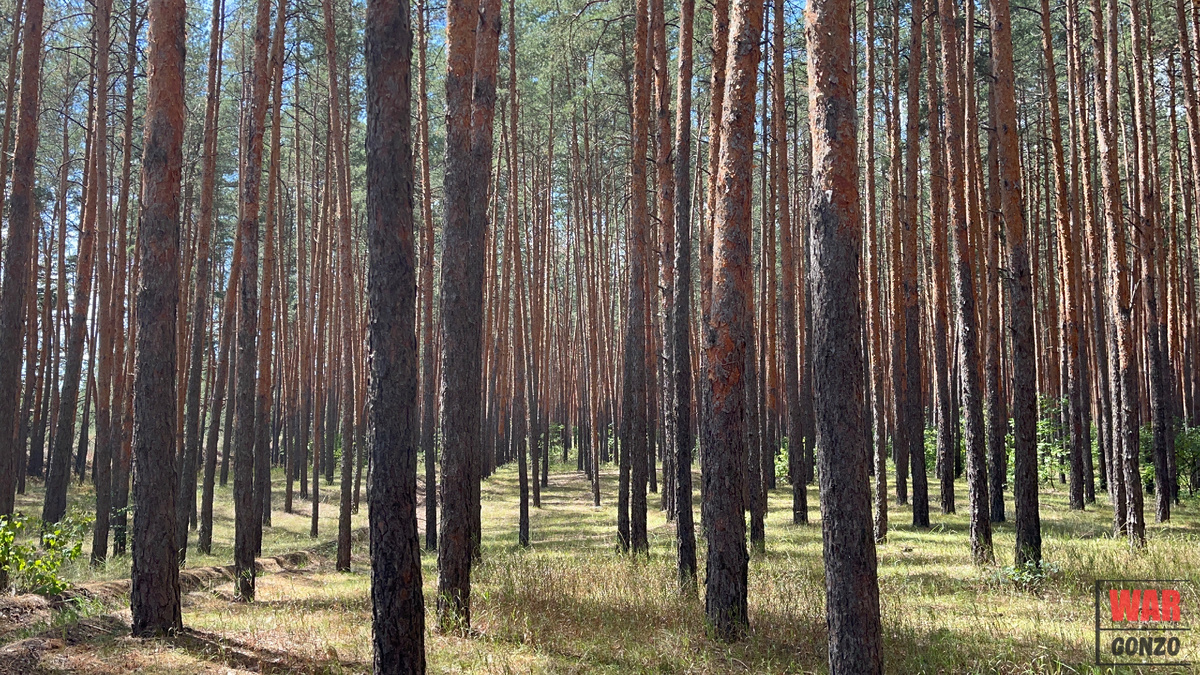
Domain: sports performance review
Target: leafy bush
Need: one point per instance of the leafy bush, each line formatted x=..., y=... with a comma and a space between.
x=1187, y=454
x=1146, y=458
x=781, y=459
x=1029, y=577
x=35, y=568
x=930, y=447
x=1050, y=440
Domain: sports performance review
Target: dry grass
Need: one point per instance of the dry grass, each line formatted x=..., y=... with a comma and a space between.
x=570, y=604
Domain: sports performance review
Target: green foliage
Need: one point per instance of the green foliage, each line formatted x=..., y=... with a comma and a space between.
x=1187, y=451
x=781, y=458
x=35, y=568
x=1052, y=454
x=930, y=446
x=1028, y=577
x=1146, y=458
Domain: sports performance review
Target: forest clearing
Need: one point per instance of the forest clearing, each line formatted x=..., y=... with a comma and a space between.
x=568, y=605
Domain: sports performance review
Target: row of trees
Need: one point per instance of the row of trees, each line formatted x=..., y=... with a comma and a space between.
x=866, y=270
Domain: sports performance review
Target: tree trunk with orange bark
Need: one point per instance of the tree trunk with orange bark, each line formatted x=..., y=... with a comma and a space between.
x=851, y=585
x=21, y=228
x=730, y=329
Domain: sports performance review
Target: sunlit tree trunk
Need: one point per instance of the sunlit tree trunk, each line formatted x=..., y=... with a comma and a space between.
x=729, y=330
x=964, y=284
x=851, y=586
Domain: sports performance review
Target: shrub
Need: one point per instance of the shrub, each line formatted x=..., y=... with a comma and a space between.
x=35, y=568
x=1028, y=577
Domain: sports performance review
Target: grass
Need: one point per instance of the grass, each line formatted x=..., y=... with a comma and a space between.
x=571, y=604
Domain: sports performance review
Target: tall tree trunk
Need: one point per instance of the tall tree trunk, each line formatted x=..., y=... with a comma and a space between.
x=483, y=106
x=720, y=40
x=55, y=505
x=939, y=201
x=266, y=317
x=200, y=302
x=730, y=329
x=851, y=585
x=875, y=281
x=667, y=185
x=1068, y=250
x=470, y=67
x=1147, y=241
x=1121, y=373
x=345, y=271
x=685, y=536
x=398, y=607
x=523, y=400
x=964, y=284
x=17, y=252
x=154, y=594
x=122, y=413
x=104, y=450
x=428, y=384
x=633, y=390
x=1024, y=396
x=910, y=422
x=248, y=522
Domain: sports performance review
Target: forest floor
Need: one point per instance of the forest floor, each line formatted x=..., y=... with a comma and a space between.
x=570, y=604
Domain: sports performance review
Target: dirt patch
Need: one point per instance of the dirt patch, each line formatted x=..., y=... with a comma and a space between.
x=21, y=611
x=102, y=645
x=72, y=647
x=239, y=655
x=26, y=656
x=191, y=579
x=329, y=549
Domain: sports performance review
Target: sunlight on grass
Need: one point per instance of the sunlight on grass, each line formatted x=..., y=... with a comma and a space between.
x=571, y=604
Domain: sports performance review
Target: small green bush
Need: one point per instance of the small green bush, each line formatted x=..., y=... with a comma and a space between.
x=36, y=568
x=1029, y=577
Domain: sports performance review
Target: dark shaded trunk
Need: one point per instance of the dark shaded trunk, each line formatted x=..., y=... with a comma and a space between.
x=192, y=422
x=1024, y=367
x=685, y=535
x=398, y=607
x=851, y=585
x=154, y=594
x=472, y=37
x=634, y=389
x=248, y=521
x=910, y=422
